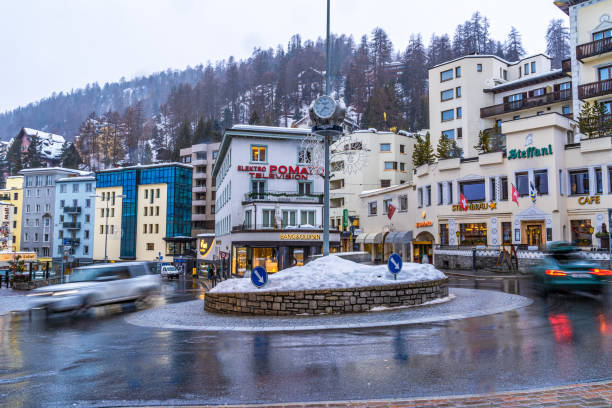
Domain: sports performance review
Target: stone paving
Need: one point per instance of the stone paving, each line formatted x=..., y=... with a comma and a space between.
x=462, y=303
x=593, y=395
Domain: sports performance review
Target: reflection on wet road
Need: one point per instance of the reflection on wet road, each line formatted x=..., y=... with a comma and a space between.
x=100, y=359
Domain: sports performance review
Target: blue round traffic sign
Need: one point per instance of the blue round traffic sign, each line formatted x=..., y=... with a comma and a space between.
x=394, y=264
x=259, y=276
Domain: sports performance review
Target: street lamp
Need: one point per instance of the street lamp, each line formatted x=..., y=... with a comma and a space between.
x=106, y=226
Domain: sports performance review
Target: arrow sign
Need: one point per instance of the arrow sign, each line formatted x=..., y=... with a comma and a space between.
x=259, y=276
x=394, y=264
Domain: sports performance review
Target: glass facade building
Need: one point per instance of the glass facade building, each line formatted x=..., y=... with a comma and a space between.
x=177, y=177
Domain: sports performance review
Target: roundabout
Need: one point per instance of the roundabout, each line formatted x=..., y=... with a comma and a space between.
x=460, y=304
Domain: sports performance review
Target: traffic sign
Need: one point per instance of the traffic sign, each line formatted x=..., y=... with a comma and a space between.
x=259, y=276
x=394, y=264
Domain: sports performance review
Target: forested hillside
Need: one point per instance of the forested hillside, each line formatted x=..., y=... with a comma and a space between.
x=272, y=87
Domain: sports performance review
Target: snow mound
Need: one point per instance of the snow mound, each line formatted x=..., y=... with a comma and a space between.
x=332, y=272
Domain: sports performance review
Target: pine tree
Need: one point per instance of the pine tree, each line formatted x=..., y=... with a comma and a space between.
x=587, y=120
x=448, y=149
x=382, y=109
x=199, y=135
x=70, y=156
x=381, y=51
x=423, y=151
x=557, y=42
x=413, y=83
x=14, y=157
x=147, y=155
x=254, y=118
x=514, y=45
x=183, y=140
x=484, y=142
x=32, y=157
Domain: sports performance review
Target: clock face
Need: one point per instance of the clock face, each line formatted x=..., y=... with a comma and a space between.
x=324, y=107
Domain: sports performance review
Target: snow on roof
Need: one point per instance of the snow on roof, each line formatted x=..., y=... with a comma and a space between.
x=384, y=189
x=80, y=172
x=276, y=129
x=50, y=144
x=147, y=166
x=527, y=78
x=78, y=178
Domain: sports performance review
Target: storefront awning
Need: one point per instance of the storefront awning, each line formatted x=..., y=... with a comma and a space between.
x=373, y=238
x=360, y=238
x=399, y=237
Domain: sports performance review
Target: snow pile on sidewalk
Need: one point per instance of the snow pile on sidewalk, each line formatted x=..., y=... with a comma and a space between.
x=332, y=272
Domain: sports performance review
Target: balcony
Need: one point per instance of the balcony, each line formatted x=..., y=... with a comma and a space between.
x=72, y=210
x=74, y=242
x=566, y=65
x=283, y=197
x=594, y=48
x=527, y=103
x=595, y=89
x=72, y=225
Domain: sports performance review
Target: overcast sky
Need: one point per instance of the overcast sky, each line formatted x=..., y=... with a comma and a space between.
x=55, y=45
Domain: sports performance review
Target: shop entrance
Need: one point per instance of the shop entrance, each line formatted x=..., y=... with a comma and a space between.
x=533, y=233
x=423, y=248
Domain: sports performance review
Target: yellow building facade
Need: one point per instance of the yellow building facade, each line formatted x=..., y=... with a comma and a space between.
x=13, y=194
x=107, y=231
x=151, y=230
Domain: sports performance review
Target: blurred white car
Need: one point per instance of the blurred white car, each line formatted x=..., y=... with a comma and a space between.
x=97, y=285
x=169, y=272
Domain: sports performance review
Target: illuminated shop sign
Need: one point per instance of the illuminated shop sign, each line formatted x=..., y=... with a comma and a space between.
x=301, y=237
x=424, y=224
x=476, y=206
x=588, y=200
x=277, y=172
x=530, y=152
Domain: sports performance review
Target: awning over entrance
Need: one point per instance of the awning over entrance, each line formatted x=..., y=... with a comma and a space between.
x=373, y=238
x=399, y=237
x=360, y=238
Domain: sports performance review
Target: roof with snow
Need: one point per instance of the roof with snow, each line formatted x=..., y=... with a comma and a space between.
x=50, y=144
x=54, y=169
x=147, y=166
x=509, y=63
x=527, y=80
x=77, y=178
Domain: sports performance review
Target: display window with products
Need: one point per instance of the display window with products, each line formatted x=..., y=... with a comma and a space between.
x=582, y=233
x=444, y=234
x=473, y=234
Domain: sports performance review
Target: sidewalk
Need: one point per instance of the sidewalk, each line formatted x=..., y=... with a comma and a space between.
x=579, y=395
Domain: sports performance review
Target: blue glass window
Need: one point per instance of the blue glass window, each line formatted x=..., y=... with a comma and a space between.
x=449, y=133
x=448, y=115
x=473, y=191
x=446, y=75
x=446, y=95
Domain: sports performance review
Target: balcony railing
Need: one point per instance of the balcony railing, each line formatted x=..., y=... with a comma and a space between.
x=74, y=242
x=594, y=89
x=72, y=225
x=72, y=210
x=527, y=103
x=284, y=196
x=279, y=226
x=593, y=48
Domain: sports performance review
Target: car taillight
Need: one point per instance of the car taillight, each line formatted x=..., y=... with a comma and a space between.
x=601, y=272
x=555, y=272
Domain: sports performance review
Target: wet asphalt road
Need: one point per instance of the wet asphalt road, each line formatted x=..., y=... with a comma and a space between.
x=101, y=360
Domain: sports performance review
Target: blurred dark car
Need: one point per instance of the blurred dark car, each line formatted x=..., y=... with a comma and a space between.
x=565, y=269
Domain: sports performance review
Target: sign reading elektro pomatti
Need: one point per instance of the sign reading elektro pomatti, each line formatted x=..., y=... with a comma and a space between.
x=277, y=172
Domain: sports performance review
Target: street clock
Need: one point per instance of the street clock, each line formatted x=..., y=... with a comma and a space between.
x=326, y=111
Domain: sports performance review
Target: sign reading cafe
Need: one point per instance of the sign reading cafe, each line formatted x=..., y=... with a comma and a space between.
x=530, y=152
x=278, y=172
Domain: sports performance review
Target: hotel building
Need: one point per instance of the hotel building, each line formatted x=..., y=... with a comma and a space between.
x=386, y=160
x=74, y=225
x=269, y=209
x=202, y=157
x=536, y=144
x=144, y=213
x=13, y=195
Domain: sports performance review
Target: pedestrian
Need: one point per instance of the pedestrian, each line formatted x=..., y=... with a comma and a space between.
x=425, y=259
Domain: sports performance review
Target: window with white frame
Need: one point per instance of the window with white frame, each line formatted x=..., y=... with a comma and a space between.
x=372, y=207
x=403, y=203
x=307, y=217
x=268, y=218
x=289, y=218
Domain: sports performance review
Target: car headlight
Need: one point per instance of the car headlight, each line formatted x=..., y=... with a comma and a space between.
x=40, y=294
x=65, y=292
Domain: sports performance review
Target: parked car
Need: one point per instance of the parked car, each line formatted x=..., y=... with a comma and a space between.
x=97, y=285
x=169, y=272
x=564, y=268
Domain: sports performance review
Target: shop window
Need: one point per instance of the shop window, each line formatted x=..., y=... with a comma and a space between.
x=289, y=218
x=579, y=182
x=443, y=234
x=506, y=232
x=541, y=181
x=372, y=208
x=582, y=232
x=268, y=218
x=599, y=181
x=307, y=218
x=473, y=234
x=265, y=257
x=522, y=183
x=403, y=203
x=474, y=191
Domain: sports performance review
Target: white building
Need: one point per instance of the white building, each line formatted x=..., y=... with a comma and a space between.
x=269, y=204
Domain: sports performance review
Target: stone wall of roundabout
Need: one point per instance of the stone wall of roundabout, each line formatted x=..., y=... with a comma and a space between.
x=325, y=301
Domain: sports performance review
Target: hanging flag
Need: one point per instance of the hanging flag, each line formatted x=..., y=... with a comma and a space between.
x=390, y=211
x=533, y=194
x=463, y=202
x=515, y=195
